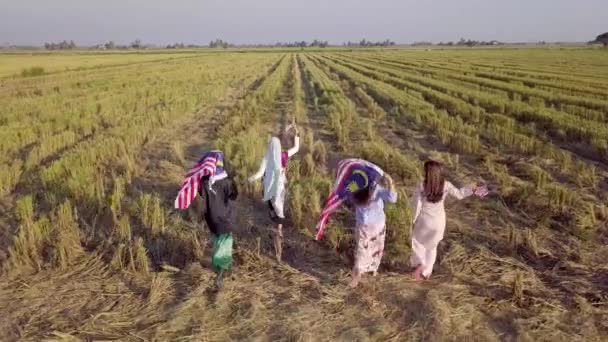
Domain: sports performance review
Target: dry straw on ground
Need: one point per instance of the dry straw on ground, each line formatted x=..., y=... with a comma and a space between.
x=91, y=161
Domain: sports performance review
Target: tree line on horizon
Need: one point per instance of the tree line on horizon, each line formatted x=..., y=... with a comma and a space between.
x=219, y=43
x=64, y=45
x=470, y=43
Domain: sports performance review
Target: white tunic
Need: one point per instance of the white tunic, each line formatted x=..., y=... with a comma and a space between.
x=274, y=174
x=429, y=225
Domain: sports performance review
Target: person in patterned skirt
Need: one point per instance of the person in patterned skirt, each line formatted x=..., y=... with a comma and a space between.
x=370, y=229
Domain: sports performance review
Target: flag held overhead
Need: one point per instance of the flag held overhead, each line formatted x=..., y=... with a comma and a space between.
x=211, y=164
x=353, y=175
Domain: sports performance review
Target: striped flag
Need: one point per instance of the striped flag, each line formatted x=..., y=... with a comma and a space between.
x=210, y=164
x=352, y=175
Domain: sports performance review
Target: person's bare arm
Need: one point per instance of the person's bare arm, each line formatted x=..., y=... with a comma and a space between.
x=260, y=172
x=296, y=141
x=390, y=184
x=388, y=192
x=460, y=193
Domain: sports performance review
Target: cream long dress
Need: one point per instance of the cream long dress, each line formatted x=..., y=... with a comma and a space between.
x=429, y=225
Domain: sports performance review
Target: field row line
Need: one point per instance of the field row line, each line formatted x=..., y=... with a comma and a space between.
x=474, y=104
x=512, y=90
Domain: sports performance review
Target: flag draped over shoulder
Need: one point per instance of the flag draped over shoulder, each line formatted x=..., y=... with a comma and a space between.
x=211, y=164
x=352, y=175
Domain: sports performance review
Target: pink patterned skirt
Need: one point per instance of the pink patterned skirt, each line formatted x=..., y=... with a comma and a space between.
x=370, y=247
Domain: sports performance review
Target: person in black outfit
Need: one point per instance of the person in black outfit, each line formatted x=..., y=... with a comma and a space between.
x=217, y=192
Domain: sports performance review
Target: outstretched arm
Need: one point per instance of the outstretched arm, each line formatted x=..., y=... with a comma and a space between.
x=461, y=193
x=260, y=172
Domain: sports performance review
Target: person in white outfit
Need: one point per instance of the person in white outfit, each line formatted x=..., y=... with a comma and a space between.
x=273, y=169
x=429, y=216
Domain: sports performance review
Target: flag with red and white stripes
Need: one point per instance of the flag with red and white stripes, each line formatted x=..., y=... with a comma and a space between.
x=210, y=164
x=352, y=175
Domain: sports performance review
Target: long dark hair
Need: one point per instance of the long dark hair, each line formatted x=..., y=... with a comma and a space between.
x=362, y=196
x=433, y=181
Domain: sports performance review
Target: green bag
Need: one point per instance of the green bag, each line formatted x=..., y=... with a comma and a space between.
x=222, y=252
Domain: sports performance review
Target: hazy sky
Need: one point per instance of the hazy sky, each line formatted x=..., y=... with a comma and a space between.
x=267, y=21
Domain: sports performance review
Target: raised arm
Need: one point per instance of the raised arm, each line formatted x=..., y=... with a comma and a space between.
x=459, y=194
x=387, y=195
x=296, y=146
x=390, y=194
x=260, y=172
x=416, y=204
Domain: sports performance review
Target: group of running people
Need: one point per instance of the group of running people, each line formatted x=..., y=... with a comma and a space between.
x=359, y=182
